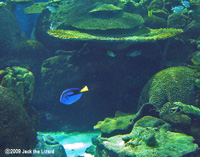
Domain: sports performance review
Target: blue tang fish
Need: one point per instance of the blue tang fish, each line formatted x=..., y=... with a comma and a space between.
x=72, y=95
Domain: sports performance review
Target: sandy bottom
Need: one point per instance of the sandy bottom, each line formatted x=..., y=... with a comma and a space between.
x=75, y=143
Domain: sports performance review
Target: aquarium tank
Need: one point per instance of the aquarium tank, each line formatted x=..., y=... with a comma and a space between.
x=100, y=78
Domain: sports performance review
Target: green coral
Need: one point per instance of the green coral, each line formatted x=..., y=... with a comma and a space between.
x=36, y=8
x=124, y=21
x=169, y=85
x=21, y=2
x=149, y=35
x=105, y=7
x=21, y=81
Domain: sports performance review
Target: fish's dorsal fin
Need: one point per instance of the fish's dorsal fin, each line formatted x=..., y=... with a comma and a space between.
x=84, y=89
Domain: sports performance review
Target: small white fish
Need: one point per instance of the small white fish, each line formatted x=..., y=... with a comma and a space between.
x=2, y=4
x=51, y=9
x=134, y=53
x=178, y=9
x=111, y=54
x=53, y=26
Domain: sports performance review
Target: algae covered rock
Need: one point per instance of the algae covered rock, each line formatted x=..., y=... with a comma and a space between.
x=109, y=125
x=177, y=21
x=155, y=22
x=21, y=81
x=169, y=85
x=29, y=49
x=192, y=30
x=147, y=141
x=179, y=113
x=153, y=122
x=173, y=114
x=17, y=129
x=9, y=30
x=46, y=142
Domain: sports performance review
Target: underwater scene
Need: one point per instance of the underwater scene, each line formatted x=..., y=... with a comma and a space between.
x=100, y=78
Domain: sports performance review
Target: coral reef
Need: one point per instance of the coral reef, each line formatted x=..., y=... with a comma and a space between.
x=169, y=85
x=118, y=23
x=151, y=140
x=18, y=129
x=21, y=81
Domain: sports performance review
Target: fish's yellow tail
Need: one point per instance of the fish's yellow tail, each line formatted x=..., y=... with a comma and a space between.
x=84, y=89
